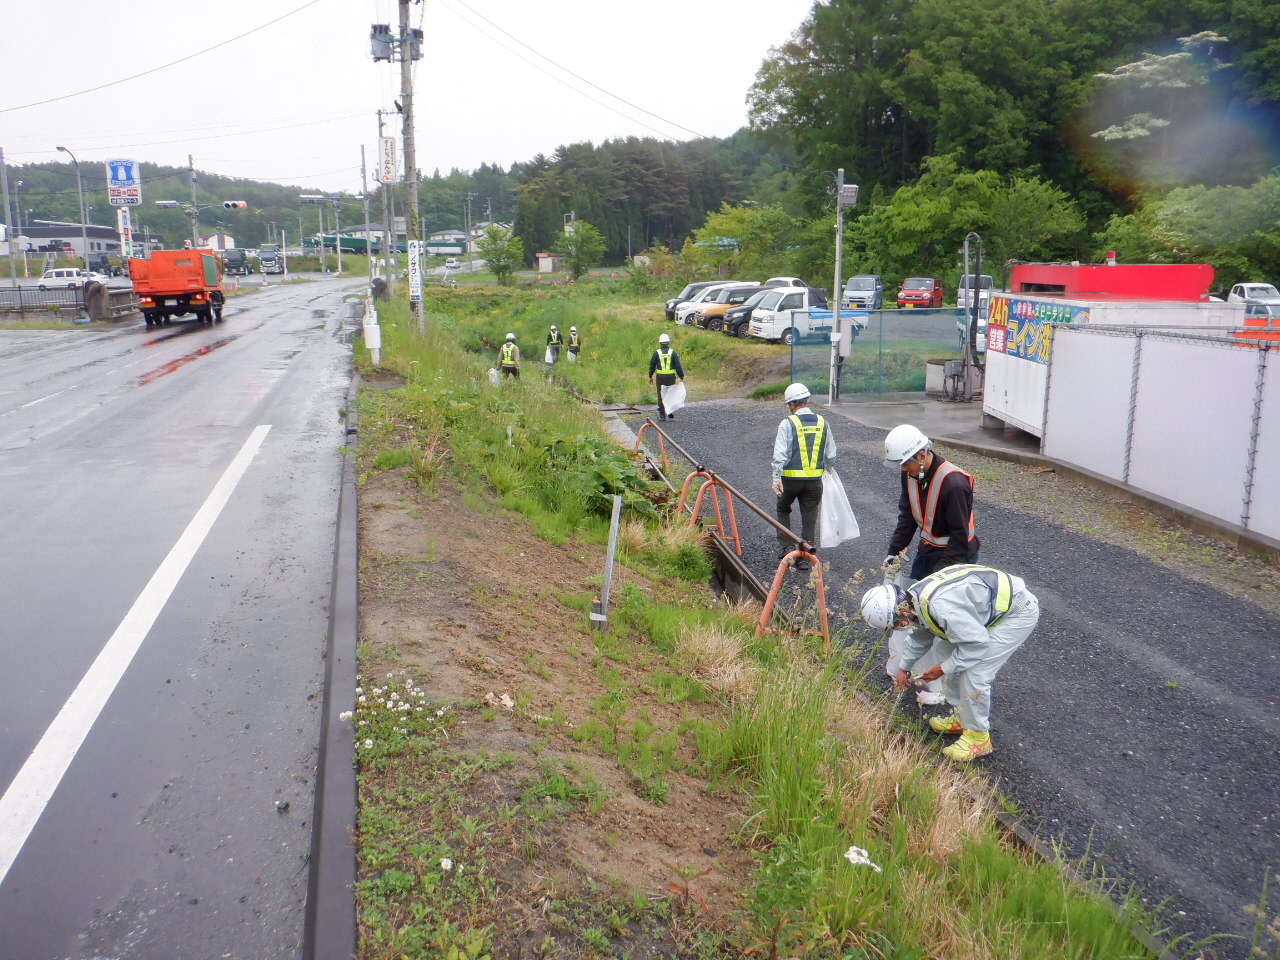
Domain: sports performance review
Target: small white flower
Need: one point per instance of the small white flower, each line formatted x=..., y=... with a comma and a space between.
x=440, y=712
x=368, y=744
x=362, y=699
x=359, y=690
x=859, y=857
x=345, y=715
x=393, y=696
x=446, y=864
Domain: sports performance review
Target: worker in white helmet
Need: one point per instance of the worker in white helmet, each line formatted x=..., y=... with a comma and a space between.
x=554, y=342
x=936, y=498
x=575, y=343
x=801, y=450
x=975, y=617
x=665, y=366
x=509, y=357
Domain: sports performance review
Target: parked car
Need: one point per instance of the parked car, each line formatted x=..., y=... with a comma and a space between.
x=684, y=311
x=920, y=292
x=737, y=320
x=452, y=263
x=686, y=293
x=710, y=315
x=784, y=282
x=1270, y=311
x=68, y=278
x=866, y=290
x=1254, y=293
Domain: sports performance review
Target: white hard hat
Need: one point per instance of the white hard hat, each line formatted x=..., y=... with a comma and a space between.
x=902, y=443
x=664, y=339
x=796, y=392
x=553, y=326
x=878, y=605
x=511, y=336
x=573, y=329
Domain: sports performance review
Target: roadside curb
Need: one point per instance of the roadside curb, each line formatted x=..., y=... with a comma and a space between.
x=329, y=930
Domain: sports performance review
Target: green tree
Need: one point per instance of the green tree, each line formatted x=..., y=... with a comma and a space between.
x=582, y=246
x=763, y=239
x=501, y=250
x=924, y=223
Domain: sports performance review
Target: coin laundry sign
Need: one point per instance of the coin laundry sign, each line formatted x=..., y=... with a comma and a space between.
x=124, y=184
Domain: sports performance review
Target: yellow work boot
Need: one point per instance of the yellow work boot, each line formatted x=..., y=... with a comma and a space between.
x=971, y=744
x=949, y=724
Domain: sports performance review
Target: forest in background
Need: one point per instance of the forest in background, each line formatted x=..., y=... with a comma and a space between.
x=1057, y=129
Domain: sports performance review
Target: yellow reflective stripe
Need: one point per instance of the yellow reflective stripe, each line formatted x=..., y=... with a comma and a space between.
x=664, y=361
x=508, y=354
x=997, y=581
x=808, y=442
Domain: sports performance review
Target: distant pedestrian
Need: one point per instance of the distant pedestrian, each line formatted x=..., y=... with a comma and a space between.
x=976, y=618
x=665, y=365
x=509, y=358
x=801, y=450
x=575, y=343
x=936, y=498
x=554, y=343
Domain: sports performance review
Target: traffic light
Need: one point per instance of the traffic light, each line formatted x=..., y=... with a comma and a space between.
x=234, y=204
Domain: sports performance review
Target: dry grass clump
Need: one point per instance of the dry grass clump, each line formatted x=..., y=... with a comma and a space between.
x=715, y=658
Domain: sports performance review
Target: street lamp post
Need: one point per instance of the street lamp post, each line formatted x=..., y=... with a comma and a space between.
x=84, y=227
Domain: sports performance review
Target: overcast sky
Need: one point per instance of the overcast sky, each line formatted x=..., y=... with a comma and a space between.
x=292, y=101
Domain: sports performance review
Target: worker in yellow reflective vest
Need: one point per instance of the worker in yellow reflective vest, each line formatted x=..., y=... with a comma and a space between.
x=803, y=446
x=665, y=365
x=509, y=357
x=978, y=617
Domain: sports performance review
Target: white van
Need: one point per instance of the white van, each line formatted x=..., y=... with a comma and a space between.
x=783, y=314
x=965, y=301
x=68, y=278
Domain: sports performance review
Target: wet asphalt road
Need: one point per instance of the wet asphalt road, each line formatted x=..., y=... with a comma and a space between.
x=1141, y=718
x=163, y=837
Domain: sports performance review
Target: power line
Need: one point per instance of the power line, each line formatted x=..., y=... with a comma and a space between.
x=560, y=66
x=163, y=66
x=607, y=93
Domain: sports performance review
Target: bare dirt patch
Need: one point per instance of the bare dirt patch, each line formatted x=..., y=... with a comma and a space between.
x=494, y=621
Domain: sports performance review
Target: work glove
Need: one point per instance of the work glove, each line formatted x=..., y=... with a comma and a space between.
x=777, y=486
x=890, y=560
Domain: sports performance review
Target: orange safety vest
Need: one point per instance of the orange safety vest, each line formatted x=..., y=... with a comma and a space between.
x=925, y=517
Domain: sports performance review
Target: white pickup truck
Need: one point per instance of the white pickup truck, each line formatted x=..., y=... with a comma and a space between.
x=795, y=313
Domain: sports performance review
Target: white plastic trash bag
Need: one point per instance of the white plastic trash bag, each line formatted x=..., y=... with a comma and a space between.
x=573, y=357
x=932, y=693
x=550, y=357
x=836, y=522
x=493, y=376
x=673, y=395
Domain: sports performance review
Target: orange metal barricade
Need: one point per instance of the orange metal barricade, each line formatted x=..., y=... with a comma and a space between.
x=769, y=602
x=730, y=536
x=662, y=443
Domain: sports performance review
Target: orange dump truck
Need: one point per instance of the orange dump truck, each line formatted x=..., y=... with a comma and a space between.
x=175, y=282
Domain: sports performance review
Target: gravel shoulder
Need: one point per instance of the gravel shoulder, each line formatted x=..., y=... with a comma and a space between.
x=1139, y=725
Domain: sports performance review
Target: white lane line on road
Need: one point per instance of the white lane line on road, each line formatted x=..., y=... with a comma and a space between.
x=31, y=790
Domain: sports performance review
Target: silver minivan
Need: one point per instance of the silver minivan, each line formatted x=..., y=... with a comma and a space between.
x=866, y=290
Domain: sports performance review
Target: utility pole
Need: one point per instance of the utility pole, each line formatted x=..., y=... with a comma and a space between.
x=13, y=234
x=195, y=211
x=413, y=228
x=390, y=255
x=364, y=196
x=467, y=230
x=846, y=196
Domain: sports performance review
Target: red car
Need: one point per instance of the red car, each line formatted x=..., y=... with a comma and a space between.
x=920, y=292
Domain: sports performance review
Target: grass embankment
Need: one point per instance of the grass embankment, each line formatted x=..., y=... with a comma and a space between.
x=857, y=843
